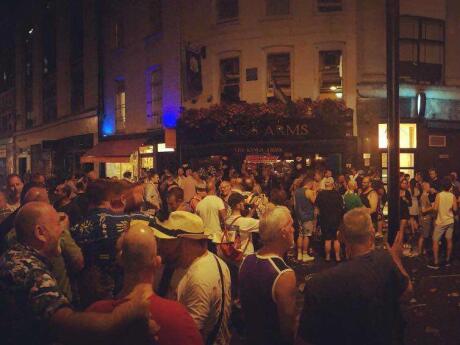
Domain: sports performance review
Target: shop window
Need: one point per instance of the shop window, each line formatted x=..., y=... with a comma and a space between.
x=118, y=34
x=279, y=77
x=156, y=90
x=326, y=6
x=227, y=10
x=330, y=74
x=421, y=46
x=407, y=136
x=277, y=7
x=120, y=106
x=230, y=80
x=156, y=19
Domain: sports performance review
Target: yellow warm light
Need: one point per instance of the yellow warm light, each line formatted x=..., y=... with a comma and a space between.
x=407, y=136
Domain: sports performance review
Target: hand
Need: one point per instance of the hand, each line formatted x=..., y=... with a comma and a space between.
x=397, y=249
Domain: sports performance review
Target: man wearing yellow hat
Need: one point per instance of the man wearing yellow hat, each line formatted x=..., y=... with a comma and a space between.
x=201, y=281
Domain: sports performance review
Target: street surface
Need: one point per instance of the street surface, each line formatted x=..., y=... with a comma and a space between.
x=432, y=315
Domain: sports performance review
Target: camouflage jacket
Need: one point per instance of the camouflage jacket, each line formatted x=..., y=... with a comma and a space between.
x=29, y=296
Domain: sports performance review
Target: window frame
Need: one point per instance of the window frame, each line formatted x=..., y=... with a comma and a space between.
x=274, y=15
x=155, y=119
x=223, y=20
x=419, y=42
x=120, y=106
x=339, y=90
x=222, y=85
x=288, y=52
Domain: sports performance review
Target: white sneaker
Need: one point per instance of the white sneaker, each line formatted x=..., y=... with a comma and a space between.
x=307, y=258
x=299, y=256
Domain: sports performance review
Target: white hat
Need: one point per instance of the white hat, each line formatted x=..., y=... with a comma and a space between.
x=180, y=224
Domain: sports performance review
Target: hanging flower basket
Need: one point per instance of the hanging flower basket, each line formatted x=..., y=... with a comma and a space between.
x=326, y=118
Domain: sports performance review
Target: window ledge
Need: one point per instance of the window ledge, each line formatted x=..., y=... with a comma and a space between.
x=228, y=22
x=273, y=18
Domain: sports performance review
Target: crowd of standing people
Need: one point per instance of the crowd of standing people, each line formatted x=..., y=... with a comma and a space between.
x=170, y=257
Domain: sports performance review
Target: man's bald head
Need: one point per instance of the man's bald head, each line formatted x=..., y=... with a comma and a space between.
x=28, y=217
x=38, y=194
x=139, y=249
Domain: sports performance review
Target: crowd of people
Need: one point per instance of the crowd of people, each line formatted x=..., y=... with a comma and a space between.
x=170, y=257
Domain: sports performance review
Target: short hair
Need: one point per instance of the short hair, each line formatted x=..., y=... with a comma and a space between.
x=446, y=183
x=127, y=174
x=36, y=177
x=177, y=192
x=28, y=186
x=26, y=219
x=99, y=191
x=278, y=196
x=10, y=176
x=271, y=223
x=357, y=226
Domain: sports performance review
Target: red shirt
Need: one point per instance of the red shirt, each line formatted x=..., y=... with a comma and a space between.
x=176, y=325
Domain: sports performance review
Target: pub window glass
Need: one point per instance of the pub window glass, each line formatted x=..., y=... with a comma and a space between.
x=227, y=10
x=230, y=80
x=279, y=77
x=330, y=74
x=277, y=7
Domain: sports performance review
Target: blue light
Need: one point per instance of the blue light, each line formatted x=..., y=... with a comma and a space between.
x=170, y=116
x=108, y=125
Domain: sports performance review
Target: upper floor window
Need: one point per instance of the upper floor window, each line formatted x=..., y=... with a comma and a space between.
x=156, y=93
x=227, y=10
x=76, y=29
x=118, y=39
x=120, y=106
x=49, y=39
x=230, y=80
x=421, y=42
x=156, y=16
x=277, y=7
x=330, y=74
x=279, y=77
x=329, y=5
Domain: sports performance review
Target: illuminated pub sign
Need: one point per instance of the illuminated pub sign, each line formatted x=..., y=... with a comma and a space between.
x=407, y=136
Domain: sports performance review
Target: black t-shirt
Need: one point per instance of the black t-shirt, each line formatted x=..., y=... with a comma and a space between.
x=355, y=303
x=330, y=205
x=436, y=184
x=72, y=210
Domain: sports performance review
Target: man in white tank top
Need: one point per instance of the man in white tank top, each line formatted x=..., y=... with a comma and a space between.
x=446, y=207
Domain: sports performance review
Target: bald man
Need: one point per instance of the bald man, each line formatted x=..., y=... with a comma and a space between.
x=33, y=307
x=140, y=261
x=71, y=260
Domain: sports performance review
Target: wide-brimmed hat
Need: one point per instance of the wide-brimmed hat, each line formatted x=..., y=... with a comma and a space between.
x=181, y=224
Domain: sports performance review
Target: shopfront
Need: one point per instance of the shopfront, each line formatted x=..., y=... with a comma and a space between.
x=312, y=134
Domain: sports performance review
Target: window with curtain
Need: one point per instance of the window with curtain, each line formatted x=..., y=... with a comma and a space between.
x=230, y=80
x=120, y=106
x=279, y=77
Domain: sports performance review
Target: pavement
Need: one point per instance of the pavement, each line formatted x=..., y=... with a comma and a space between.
x=433, y=313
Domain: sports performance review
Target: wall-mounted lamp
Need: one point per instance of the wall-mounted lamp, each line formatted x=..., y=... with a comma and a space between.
x=421, y=104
